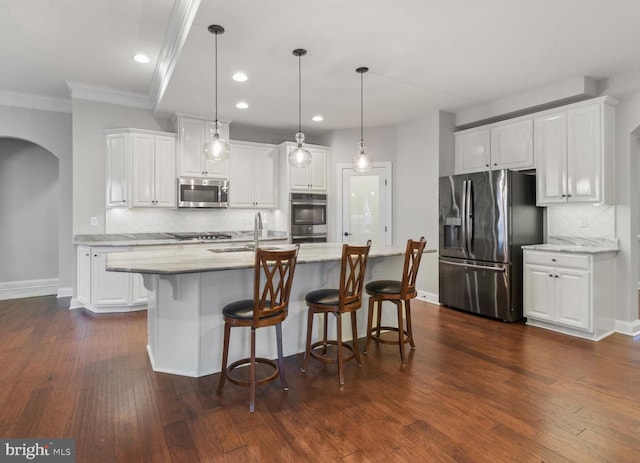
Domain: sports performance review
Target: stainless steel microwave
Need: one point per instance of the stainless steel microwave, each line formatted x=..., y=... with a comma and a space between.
x=203, y=192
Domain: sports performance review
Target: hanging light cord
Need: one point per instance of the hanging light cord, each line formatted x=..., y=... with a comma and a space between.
x=216, y=80
x=361, y=107
x=299, y=93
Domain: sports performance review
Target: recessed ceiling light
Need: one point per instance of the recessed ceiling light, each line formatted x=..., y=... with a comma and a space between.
x=317, y=118
x=242, y=105
x=240, y=77
x=140, y=58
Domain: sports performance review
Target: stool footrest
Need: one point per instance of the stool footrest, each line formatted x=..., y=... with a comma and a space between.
x=324, y=358
x=406, y=339
x=247, y=361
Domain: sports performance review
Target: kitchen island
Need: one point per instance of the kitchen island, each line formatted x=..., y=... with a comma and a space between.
x=189, y=286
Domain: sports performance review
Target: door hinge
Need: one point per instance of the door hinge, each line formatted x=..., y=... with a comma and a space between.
x=385, y=182
x=385, y=229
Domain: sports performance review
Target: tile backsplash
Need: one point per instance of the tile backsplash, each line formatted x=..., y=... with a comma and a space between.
x=144, y=220
x=582, y=220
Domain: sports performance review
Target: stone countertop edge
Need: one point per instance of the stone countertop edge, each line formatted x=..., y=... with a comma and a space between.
x=153, y=239
x=577, y=245
x=172, y=262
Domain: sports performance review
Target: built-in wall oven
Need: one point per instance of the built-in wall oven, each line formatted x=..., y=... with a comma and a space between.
x=308, y=218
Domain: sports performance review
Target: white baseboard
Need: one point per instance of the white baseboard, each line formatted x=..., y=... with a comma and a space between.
x=28, y=288
x=628, y=328
x=429, y=297
x=65, y=292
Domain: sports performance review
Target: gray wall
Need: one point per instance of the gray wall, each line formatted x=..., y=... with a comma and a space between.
x=90, y=119
x=29, y=196
x=52, y=131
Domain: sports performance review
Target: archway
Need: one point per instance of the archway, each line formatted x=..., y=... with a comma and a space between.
x=29, y=211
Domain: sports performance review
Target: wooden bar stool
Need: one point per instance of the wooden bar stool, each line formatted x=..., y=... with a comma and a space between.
x=272, y=281
x=400, y=293
x=346, y=299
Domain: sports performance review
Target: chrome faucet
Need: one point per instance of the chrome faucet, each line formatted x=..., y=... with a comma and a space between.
x=257, y=229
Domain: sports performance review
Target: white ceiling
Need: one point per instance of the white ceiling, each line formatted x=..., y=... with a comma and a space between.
x=422, y=54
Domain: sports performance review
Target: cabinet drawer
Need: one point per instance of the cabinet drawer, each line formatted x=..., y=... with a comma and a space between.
x=558, y=259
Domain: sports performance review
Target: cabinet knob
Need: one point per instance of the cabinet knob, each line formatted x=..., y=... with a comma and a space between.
x=551, y=275
x=556, y=276
x=495, y=163
x=553, y=260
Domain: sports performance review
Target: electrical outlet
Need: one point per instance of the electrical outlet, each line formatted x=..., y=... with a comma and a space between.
x=93, y=222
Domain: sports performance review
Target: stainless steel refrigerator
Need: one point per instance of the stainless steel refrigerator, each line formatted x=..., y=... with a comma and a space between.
x=485, y=218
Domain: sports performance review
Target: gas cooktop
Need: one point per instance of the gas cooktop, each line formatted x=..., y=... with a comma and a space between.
x=201, y=236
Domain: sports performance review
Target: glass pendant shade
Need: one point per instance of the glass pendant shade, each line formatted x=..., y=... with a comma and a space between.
x=300, y=156
x=216, y=150
x=361, y=162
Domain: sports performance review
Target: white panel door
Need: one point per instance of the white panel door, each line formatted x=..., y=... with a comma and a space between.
x=241, y=176
x=265, y=169
x=584, y=154
x=164, y=172
x=84, y=274
x=215, y=169
x=143, y=182
x=116, y=152
x=539, y=299
x=551, y=158
x=573, y=300
x=318, y=172
x=512, y=145
x=109, y=288
x=472, y=150
x=190, y=141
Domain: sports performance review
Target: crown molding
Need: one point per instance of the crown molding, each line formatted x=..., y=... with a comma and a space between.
x=83, y=91
x=34, y=101
x=182, y=16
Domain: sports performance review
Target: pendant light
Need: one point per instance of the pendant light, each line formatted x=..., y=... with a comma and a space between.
x=300, y=156
x=216, y=150
x=361, y=161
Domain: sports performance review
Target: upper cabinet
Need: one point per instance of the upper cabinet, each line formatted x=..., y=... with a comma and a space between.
x=140, y=168
x=116, y=155
x=312, y=177
x=153, y=170
x=574, y=153
x=504, y=145
x=192, y=134
x=253, y=170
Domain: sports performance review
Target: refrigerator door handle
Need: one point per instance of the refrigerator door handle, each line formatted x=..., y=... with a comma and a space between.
x=464, y=218
x=468, y=226
x=483, y=267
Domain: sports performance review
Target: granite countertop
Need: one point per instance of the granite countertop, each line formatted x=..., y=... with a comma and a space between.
x=150, y=239
x=576, y=245
x=194, y=259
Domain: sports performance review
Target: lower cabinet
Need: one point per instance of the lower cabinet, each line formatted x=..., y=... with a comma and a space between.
x=103, y=291
x=569, y=292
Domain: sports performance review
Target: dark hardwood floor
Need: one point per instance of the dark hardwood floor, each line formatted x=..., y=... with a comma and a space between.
x=474, y=390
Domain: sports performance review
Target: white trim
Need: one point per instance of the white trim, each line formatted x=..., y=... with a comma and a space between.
x=65, y=292
x=339, y=192
x=33, y=101
x=28, y=288
x=114, y=309
x=83, y=91
x=75, y=304
x=433, y=298
x=628, y=328
x=182, y=16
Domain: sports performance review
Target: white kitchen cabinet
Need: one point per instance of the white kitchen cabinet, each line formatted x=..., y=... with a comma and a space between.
x=574, y=153
x=192, y=134
x=310, y=178
x=253, y=171
x=103, y=291
x=560, y=292
x=503, y=145
x=116, y=154
x=153, y=181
